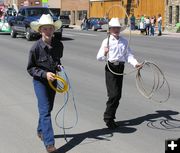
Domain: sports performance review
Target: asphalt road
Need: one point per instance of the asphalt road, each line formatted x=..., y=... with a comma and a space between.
x=145, y=125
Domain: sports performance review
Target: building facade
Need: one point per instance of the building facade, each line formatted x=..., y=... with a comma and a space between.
x=76, y=9
x=19, y=3
x=54, y=3
x=172, y=14
x=119, y=8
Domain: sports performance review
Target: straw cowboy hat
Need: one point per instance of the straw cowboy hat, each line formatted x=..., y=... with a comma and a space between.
x=45, y=19
x=115, y=22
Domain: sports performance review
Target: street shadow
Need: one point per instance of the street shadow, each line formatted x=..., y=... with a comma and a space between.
x=68, y=27
x=66, y=39
x=124, y=127
x=37, y=38
x=152, y=118
x=97, y=135
x=4, y=33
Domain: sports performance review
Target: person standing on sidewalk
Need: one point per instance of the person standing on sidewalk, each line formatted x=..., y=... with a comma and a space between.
x=152, y=26
x=147, y=22
x=159, y=20
x=133, y=22
x=44, y=61
x=113, y=49
x=85, y=24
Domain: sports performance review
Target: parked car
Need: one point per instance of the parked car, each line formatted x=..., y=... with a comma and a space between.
x=96, y=23
x=65, y=20
x=20, y=24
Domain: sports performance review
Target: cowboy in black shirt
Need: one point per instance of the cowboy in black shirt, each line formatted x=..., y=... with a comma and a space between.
x=44, y=59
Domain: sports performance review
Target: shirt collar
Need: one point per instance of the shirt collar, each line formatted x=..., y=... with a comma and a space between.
x=113, y=38
x=43, y=44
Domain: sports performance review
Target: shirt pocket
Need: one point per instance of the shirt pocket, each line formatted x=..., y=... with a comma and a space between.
x=43, y=62
x=42, y=59
x=113, y=47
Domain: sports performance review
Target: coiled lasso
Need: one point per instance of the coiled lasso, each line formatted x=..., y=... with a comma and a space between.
x=64, y=86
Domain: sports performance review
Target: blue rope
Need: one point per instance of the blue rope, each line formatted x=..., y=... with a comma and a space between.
x=66, y=101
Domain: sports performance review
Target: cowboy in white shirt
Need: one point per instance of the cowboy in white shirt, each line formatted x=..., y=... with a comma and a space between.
x=115, y=52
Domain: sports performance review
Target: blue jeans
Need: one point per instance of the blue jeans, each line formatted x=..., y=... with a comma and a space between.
x=160, y=28
x=45, y=97
x=152, y=31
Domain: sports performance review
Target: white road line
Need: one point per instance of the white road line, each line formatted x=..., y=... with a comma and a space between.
x=67, y=34
x=171, y=36
x=79, y=33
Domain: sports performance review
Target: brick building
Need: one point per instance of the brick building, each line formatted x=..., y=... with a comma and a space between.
x=54, y=3
x=76, y=9
x=172, y=14
x=20, y=3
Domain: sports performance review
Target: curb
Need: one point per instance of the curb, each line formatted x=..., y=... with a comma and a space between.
x=136, y=32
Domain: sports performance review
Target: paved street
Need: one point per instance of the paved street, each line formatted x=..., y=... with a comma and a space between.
x=145, y=125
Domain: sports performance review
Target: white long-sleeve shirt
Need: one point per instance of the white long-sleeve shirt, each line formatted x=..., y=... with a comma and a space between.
x=117, y=51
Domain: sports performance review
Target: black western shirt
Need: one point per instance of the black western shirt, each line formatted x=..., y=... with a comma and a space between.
x=44, y=58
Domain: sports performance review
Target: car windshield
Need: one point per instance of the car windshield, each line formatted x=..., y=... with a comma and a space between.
x=37, y=11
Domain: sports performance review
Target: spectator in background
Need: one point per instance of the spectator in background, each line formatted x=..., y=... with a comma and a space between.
x=159, y=20
x=147, y=22
x=142, y=24
x=142, y=18
x=152, y=25
x=154, y=20
x=133, y=21
x=85, y=24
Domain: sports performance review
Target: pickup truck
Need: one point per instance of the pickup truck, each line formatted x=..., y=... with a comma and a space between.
x=20, y=24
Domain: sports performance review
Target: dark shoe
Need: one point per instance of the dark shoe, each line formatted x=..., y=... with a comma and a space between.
x=50, y=148
x=40, y=136
x=111, y=125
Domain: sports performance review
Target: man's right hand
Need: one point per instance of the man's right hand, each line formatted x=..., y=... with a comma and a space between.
x=50, y=76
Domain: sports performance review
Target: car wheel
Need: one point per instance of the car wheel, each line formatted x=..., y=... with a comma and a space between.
x=13, y=33
x=28, y=34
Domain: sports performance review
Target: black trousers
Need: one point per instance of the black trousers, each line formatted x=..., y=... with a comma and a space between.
x=114, y=90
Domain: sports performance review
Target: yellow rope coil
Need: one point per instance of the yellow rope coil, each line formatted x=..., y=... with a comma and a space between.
x=64, y=89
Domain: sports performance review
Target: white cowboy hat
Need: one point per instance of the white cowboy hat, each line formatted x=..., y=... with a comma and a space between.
x=115, y=22
x=45, y=19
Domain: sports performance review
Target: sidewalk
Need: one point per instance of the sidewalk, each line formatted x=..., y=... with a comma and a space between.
x=164, y=33
x=76, y=27
x=137, y=32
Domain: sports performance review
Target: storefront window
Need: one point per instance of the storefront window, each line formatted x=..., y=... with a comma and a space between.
x=177, y=14
x=66, y=13
x=170, y=14
x=81, y=14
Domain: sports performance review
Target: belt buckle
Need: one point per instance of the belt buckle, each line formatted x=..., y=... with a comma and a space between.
x=116, y=63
